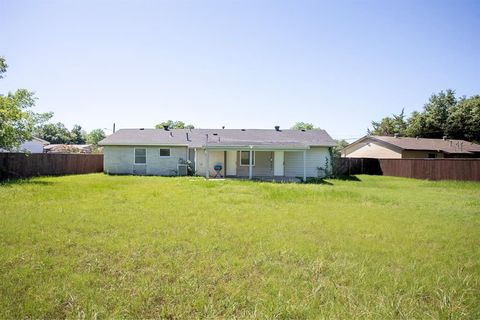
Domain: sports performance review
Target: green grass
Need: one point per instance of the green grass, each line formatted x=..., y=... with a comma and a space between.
x=151, y=247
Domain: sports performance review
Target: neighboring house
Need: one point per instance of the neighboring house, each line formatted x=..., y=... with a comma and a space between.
x=35, y=145
x=238, y=152
x=69, y=148
x=402, y=147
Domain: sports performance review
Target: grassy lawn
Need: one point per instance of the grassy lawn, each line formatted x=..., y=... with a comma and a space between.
x=121, y=246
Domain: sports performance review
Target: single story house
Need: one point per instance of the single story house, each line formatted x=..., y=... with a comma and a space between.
x=404, y=147
x=35, y=145
x=218, y=152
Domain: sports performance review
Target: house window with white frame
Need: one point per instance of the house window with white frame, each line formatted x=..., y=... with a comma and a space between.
x=245, y=158
x=140, y=156
x=164, y=152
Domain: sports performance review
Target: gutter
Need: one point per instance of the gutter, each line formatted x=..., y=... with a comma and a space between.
x=253, y=147
x=142, y=145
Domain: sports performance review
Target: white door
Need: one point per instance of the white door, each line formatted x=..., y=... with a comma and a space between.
x=231, y=163
x=278, y=160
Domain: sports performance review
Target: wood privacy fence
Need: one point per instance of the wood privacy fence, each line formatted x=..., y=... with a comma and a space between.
x=431, y=169
x=22, y=165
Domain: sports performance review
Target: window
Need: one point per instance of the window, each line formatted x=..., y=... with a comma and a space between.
x=164, y=152
x=245, y=158
x=432, y=155
x=140, y=156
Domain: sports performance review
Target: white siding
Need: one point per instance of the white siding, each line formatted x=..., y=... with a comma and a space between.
x=316, y=157
x=263, y=165
x=120, y=160
x=214, y=157
x=32, y=146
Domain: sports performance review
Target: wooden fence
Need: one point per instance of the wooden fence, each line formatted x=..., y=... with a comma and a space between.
x=431, y=169
x=22, y=165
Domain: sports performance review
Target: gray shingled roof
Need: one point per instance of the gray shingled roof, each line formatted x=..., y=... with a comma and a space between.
x=447, y=145
x=197, y=138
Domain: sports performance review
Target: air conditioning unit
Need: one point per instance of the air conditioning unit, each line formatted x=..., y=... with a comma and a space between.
x=182, y=169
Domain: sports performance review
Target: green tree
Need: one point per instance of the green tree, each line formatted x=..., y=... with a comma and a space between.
x=442, y=115
x=303, y=126
x=17, y=121
x=174, y=125
x=416, y=125
x=3, y=67
x=431, y=123
x=78, y=135
x=390, y=126
x=464, y=120
x=384, y=127
x=55, y=133
x=340, y=145
x=95, y=136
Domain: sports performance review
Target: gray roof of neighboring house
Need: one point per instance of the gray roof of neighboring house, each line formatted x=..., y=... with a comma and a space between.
x=447, y=145
x=44, y=142
x=197, y=138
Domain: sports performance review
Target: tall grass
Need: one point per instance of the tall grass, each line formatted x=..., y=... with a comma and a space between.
x=151, y=247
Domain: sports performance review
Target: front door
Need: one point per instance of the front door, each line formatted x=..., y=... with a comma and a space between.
x=278, y=164
x=231, y=163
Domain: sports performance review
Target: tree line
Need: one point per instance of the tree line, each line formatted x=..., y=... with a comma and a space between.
x=18, y=123
x=57, y=133
x=443, y=115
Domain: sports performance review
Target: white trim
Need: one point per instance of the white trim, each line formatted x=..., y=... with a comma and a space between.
x=169, y=152
x=135, y=158
x=231, y=163
x=305, y=166
x=253, y=158
x=250, y=164
x=258, y=148
x=195, y=160
x=207, y=164
x=279, y=163
x=143, y=145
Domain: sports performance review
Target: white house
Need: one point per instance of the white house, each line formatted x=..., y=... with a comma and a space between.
x=245, y=153
x=404, y=147
x=35, y=145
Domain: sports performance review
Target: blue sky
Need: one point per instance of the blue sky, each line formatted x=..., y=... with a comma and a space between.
x=242, y=64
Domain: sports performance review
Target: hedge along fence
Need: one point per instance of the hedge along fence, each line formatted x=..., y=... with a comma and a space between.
x=431, y=169
x=24, y=165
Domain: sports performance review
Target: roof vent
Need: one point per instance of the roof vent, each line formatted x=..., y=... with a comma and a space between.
x=395, y=135
x=223, y=127
x=243, y=129
x=171, y=134
x=142, y=129
x=277, y=128
x=165, y=127
x=417, y=137
x=215, y=134
x=444, y=138
x=303, y=130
